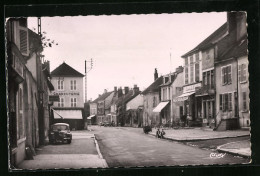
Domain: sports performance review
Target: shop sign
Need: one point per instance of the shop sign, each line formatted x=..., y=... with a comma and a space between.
x=191, y=88
x=65, y=93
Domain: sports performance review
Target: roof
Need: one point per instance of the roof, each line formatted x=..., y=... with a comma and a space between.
x=173, y=77
x=66, y=71
x=126, y=98
x=237, y=50
x=102, y=97
x=214, y=36
x=155, y=86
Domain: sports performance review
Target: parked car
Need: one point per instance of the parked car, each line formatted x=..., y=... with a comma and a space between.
x=60, y=132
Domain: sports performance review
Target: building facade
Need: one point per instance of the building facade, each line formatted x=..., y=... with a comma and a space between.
x=68, y=84
x=27, y=76
x=152, y=97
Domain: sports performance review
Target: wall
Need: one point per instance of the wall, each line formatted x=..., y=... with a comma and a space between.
x=244, y=116
x=175, y=106
x=135, y=102
x=149, y=117
x=93, y=108
x=208, y=59
x=79, y=89
x=221, y=89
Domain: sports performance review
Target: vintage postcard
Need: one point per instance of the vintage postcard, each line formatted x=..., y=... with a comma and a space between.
x=136, y=90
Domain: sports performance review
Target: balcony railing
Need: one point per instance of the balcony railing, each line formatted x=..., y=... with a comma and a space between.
x=205, y=90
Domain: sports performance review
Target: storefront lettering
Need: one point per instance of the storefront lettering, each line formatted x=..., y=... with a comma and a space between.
x=191, y=88
x=65, y=93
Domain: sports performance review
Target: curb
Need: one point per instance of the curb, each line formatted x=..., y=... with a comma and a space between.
x=230, y=152
x=99, y=153
x=233, y=153
x=194, y=140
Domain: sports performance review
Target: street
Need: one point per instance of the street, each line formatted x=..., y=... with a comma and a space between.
x=130, y=147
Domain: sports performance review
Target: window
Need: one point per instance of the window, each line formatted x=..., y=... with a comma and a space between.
x=186, y=62
x=186, y=75
x=166, y=79
x=73, y=85
x=225, y=102
x=208, y=79
x=226, y=75
x=242, y=72
x=73, y=102
x=60, y=85
x=191, y=70
x=154, y=101
x=61, y=102
x=197, y=68
x=244, y=101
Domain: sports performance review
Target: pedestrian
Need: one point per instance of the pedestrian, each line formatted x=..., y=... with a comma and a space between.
x=162, y=133
x=158, y=133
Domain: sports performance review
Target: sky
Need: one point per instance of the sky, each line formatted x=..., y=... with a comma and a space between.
x=125, y=48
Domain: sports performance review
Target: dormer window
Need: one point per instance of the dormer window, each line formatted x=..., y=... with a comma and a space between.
x=166, y=79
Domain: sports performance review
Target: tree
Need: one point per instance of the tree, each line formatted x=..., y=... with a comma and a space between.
x=45, y=41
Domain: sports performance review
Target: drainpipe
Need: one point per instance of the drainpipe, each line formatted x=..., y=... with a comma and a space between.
x=237, y=93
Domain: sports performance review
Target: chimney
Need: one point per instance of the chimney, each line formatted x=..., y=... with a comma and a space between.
x=155, y=74
x=135, y=90
x=120, y=92
x=126, y=90
x=232, y=22
x=179, y=69
x=115, y=89
x=105, y=90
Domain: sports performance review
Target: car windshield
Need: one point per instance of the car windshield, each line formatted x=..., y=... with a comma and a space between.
x=60, y=127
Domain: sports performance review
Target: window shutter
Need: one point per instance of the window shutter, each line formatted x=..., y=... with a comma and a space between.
x=230, y=101
x=239, y=73
x=24, y=42
x=229, y=81
x=223, y=75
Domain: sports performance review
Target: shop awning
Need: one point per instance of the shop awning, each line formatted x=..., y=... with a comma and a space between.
x=183, y=97
x=67, y=114
x=89, y=117
x=160, y=106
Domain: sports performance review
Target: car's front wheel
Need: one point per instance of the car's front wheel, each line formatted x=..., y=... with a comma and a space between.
x=69, y=141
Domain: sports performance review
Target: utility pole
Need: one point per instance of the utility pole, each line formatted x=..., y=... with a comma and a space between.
x=87, y=69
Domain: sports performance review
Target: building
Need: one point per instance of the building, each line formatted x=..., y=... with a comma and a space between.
x=177, y=106
x=152, y=97
x=232, y=95
x=28, y=76
x=199, y=78
x=68, y=84
x=163, y=109
x=103, y=102
x=123, y=117
x=134, y=109
x=118, y=96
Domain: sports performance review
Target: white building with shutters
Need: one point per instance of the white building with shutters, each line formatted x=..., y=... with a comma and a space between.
x=68, y=85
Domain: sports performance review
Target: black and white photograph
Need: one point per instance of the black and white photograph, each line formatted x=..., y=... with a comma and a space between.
x=127, y=91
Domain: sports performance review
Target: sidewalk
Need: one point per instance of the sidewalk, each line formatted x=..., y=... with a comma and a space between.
x=198, y=134
x=46, y=159
x=240, y=148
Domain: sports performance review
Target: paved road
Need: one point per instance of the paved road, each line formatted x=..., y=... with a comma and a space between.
x=130, y=147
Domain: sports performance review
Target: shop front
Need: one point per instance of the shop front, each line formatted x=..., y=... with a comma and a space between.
x=163, y=109
x=191, y=106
